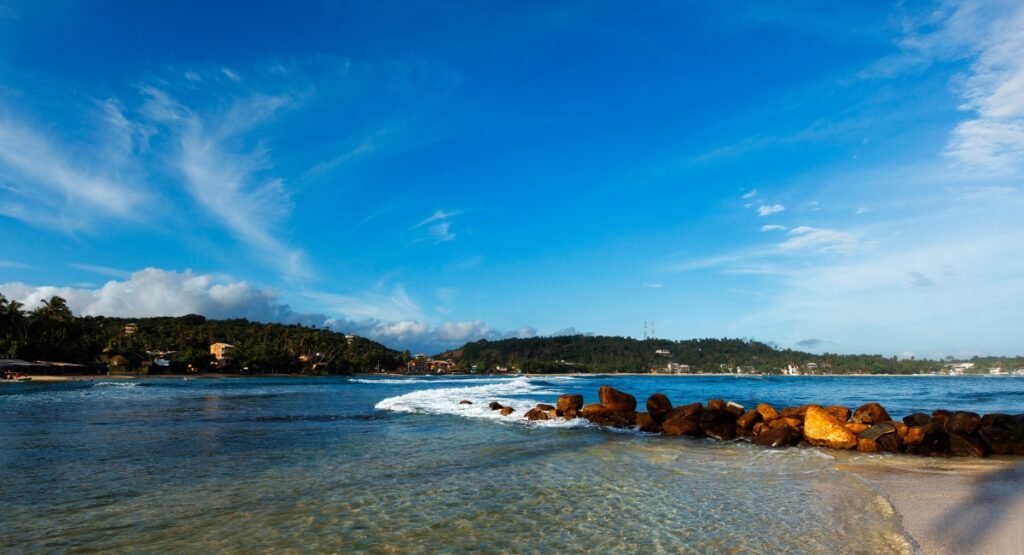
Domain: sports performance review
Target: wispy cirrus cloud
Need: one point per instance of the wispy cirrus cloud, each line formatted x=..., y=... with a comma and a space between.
x=772, y=227
x=438, y=226
x=101, y=270
x=769, y=209
x=806, y=238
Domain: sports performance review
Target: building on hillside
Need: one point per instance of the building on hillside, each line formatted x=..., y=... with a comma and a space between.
x=422, y=364
x=676, y=368
x=221, y=351
x=791, y=370
x=663, y=352
x=130, y=329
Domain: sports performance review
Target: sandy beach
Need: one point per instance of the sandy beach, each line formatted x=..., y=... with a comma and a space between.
x=952, y=506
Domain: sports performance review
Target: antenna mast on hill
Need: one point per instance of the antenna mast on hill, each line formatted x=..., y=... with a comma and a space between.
x=653, y=334
x=645, y=329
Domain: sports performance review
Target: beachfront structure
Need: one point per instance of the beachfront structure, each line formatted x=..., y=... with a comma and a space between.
x=676, y=368
x=421, y=364
x=221, y=351
x=791, y=370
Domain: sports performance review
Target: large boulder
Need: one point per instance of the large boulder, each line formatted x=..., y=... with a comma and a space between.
x=823, y=429
x=871, y=413
x=734, y=408
x=693, y=410
x=839, y=412
x=963, y=422
x=616, y=400
x=594, y=410
x=963, y=445
x=494, y=405
x=569, y=403
x=748, y=419
x=878, y=430
x=680, y=427
x=933, y=440
x=718, y=424
x=797, y=412
x=716, y=404
x=917, y=419
x=783, y=436
x=658, y=406
x=857, y=427
x=646, y=423
x=1001, y=441
x=767, y=412
x=505, y=411
x=537, y=414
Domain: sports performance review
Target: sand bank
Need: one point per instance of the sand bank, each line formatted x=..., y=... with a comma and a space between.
x=952, y=506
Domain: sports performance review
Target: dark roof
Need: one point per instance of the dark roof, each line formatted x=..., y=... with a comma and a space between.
x=18, y=363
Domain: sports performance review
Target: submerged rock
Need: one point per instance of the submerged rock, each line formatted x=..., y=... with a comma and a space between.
x=871, y=413
x=616, y=400
x=823, y=429
x=505, y=411
x=495, y=405
x=465, y=402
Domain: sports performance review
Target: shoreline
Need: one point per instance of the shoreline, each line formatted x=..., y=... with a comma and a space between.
x=950, y=506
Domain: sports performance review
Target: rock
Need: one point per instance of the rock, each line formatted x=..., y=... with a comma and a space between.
x=941, y=414
x=536, y=414
x=748, y=419
x=915, y=435
x=505, y=411
x=839, y=412
x=616, y=400
x=767, y=412
x=783, y=436
x=865, y=445
x=658, y=406
x=595, y=413
x=1004, y=421
x=680, y=427
x=901, y=430
x=963, y=445
x=963, y=422
x=871, y=413
x=722, y=431
x=465, y=402
x=878, y=430
x=823, y=429
x=554, y=413
x=568, y=414
x=794, y=423
x=545, y=407
x=693, y=410
x=623, y=419
x=760, y=428
x=495, y=405
x=1001, y=441
x=646, y=423
x=716, y=404
x=569, y=403
x=734, y=408
x=889, y=443
x=917, y=419
x=856, y=427
x=934, y=441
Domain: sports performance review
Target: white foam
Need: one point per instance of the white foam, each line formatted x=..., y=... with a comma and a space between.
x=447, y=401
x=115, y=384
x=423, y=380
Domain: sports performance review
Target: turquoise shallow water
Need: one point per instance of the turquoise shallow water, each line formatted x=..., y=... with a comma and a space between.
x=398, y=466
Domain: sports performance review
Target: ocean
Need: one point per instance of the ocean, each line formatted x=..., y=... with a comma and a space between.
x=397, y=465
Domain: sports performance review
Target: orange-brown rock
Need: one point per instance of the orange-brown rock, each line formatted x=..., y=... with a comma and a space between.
x=865, y=445
x=917, y=419
x=716, y=404
x=760, y=428
x=915, y=435
x=494, y=405
x=594, y=409
x=646, y=423
x=783, y=436
x=856, y=427
x=691, y=411
x=901, y=429
x=871, y=413
x=839, y=412
x=536, y=414
x=616, y=400
x=734, y=408
x=823, y=429
x=680, y=427
x=505, y=411
x=748, y=419
x=545, y=407
x=568, y=403
x=767, y=412
x=658, y=405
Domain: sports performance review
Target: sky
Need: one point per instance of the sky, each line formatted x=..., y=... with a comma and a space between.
x=826, y=176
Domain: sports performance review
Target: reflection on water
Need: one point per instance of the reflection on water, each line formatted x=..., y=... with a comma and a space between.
x=312, y=465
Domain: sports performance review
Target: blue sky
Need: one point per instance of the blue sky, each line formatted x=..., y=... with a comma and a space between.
x=825, y=176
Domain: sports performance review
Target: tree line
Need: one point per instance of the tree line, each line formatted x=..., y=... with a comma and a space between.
x=52, y=333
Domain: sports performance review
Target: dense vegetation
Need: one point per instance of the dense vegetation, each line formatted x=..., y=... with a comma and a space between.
x=579, y=353
x=52, y=333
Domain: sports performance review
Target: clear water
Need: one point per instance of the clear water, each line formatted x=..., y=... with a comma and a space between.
x=398, y=466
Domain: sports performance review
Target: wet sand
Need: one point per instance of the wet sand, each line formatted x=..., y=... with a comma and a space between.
x=952, y=506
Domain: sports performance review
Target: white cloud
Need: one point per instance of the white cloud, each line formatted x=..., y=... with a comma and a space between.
x=438, y=226
x=101, y=270
x=13, y=264
x=819, y=240
x=750, y=194
x=772, y=227
x=769, y=209
x=50, y=182
x=653, y=285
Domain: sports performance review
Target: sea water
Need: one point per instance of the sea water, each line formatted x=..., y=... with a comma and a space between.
x=398, y=465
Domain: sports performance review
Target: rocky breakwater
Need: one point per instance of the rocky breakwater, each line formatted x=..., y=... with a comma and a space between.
x=868, y=429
